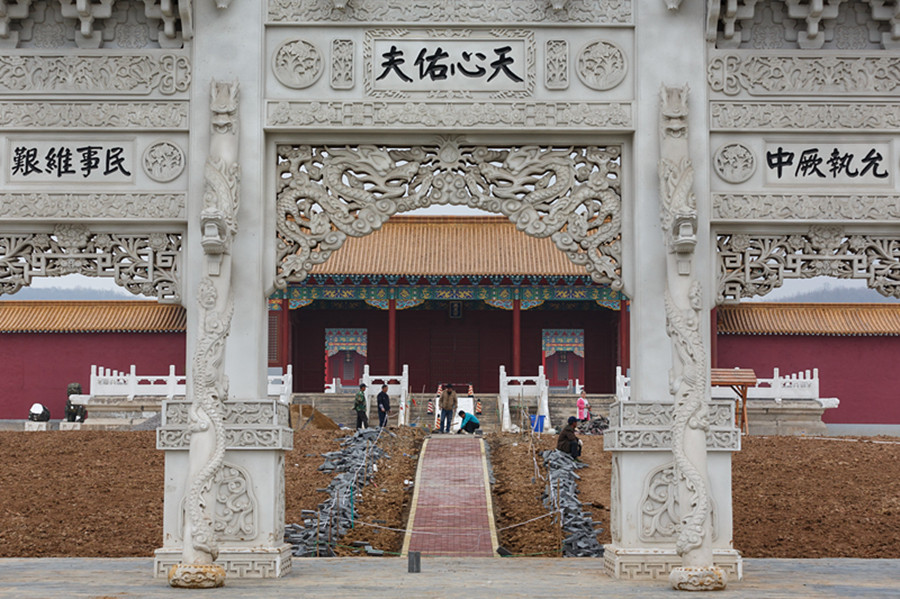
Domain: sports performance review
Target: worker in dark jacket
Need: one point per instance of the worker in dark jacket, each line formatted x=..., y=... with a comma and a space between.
x=469, y=423
x=567, y=442
x=384, y=406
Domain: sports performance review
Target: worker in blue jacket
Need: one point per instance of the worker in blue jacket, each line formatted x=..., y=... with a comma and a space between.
x=469, y=423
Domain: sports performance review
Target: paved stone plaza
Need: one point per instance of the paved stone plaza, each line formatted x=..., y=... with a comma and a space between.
x=442, y=577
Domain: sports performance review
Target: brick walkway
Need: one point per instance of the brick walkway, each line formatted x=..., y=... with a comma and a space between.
x=451, y=513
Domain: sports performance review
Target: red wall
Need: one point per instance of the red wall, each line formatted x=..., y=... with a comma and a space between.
x=38, y=367
x=441, y=349
x=860, y=371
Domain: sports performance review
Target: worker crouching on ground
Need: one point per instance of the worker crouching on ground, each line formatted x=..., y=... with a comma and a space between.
x=469, y=423
x=567, y=442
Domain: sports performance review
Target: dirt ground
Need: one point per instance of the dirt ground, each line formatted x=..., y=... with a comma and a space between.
x=94, y=493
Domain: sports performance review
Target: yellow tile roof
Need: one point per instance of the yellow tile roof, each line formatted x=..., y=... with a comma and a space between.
x=447, y=245
x=752, y=318
x=90, y=316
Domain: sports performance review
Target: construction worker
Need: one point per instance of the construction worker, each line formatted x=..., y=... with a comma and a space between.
x=384, y=406
x=448, y=403
x=567, y=442
x=359, y=405
x=469, y=423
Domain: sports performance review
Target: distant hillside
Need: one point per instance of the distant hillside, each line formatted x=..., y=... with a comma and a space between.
x=838, y=295
x=78, y=293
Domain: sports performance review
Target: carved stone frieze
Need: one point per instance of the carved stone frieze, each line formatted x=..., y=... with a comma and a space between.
x=646, y=426
x=785, y=74
x=601, y=65
x=774, y=206
x=239, y=413
x=143, y=74
x=90, y=115
x=752, y=265
x=470, y=12
x=570, y=195
x=298, y=64
x=163, y=161
x=59, y=205
x=556, y=64
x=480, y=115
x=734, y=162
x=342, y=64
x=806, y=116
x=142, y=264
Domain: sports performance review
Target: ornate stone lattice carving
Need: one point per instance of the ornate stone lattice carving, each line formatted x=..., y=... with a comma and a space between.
x=142, y=264
x=235, y=437
x=840, y=24
x=523, y=35
x=807, y=116
x=571, y=195
x=131, y=24
x=239, y=413
x=554, y=115
x=89, y=115
x=55, y=205
x=556, y=64
x=660, y=509
x=342, y=64
x=601, y=65
x=734, y=162
x=163, y=161
x=752, y=265
x=773, y=206
x=131, y=74
x=801, y=74
x=297, y=64
x=470, y=12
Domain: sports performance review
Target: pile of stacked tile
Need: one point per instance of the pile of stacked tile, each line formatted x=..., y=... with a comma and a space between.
x=355, y=464
x=595, y=426
x=561, y=494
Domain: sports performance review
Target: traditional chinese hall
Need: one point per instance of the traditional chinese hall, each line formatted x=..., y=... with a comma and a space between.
x=454, y=298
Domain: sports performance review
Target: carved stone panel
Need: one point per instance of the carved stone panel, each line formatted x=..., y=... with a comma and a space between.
x=804, y=116
x=798, y=206
x=661, y=512
x=556, y=64
x=297, y=64
x=163, y=161
x=734, y=162
x=571, y=195
x=142, y=74
x=63, y=205
x=234, y=507
x=601, y=65
x=342, y=64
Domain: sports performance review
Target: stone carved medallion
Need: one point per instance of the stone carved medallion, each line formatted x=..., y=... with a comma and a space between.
x=601, y=65
x=297, y=64
x=734, y=162
x=163, y=161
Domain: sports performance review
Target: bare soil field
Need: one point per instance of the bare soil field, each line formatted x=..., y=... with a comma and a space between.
x=100, y=494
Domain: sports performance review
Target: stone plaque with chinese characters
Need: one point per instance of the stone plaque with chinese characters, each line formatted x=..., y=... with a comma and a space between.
x=459, y=62
x=820, y=163
x=70, y=161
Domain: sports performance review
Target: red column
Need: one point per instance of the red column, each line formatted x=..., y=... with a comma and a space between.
x=624, y=336
x=392, y=336
x=284, y=336
x=713, y=337
x=517, y=338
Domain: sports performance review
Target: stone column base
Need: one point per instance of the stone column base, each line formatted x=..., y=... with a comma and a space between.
x=656, y=564
x=258, y=562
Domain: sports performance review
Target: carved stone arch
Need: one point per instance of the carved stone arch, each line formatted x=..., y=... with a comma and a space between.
x=571, y=194
x=754, y=264
x=142, y=263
